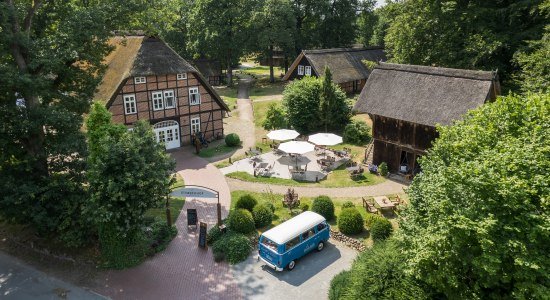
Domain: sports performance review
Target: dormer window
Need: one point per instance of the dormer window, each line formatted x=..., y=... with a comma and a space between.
x=182, y=76
x=300, y=70
x=139, y=80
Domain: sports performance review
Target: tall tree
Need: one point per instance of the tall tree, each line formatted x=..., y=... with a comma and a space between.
x=367, y=22
x=338, y=26
x=273, y=27
x=309, y=15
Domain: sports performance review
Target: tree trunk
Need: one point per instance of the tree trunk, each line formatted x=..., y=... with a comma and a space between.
x=271, y=75
x=229, y=72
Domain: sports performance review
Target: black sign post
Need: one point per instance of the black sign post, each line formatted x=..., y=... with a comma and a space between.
x=202, y=235
x=192, y=217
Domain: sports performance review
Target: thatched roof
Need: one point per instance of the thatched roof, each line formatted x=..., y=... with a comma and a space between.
x=344, y=63
x=425, y=95
x=142, y=56
x=208, y=67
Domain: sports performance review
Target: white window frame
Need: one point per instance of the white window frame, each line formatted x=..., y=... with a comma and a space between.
x=194, y=91
x=181, y=76
x=300, y=70
x=139, y=80
x=165, y=92
x=197, y=125
x=308, y=70
x=130, y=106
x=158, y=100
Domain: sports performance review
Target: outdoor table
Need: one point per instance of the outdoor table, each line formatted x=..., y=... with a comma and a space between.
x=262, y=168
x=384, y=202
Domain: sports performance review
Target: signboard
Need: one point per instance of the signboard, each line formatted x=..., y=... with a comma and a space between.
x=194, y=192
x=191, y=217
x=202, y=235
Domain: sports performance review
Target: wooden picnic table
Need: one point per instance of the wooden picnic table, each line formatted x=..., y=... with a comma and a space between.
x=384, y=202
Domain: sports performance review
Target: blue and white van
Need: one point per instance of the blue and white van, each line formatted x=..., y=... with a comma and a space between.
x=282, y=245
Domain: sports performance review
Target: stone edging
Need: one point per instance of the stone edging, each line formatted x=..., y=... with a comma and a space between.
x=348, y=241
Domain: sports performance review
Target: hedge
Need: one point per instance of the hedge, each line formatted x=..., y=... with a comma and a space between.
x=247, y=202
x=241, y=220
x=350, y=221
x=232, y=140
x=262, y=215
x=381, y=229
x=323, y=205
x=233, y=247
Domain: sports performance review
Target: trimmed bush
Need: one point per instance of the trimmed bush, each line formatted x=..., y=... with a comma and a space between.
x=233, y=247
x=383, y=169
x=338, y=285
x=241, y=220
x=323, y=205
x=370, y=218
x=232, y=140
x=381, y=229
x=246, y=202
x=213, y=235
x=357, y=132
x=304, y=207
x=262, y=215
x=350, y=221
x=348, y=204
x=161, y=236
x=270, y=205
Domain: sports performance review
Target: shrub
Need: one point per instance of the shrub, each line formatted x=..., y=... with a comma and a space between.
x=262, y=215
x=357, y=132
x=232, y=140
x=348, y=204
x=270, y=205
x=383, y=169
x=241, y=220
x=304, y=206
x=233, y=247
x=350, y=221
x=381, y=229
x=161, y=234
x=370, y=218
x=275, y=117
x=338, y=285
x=323, y=205
x=246, y=202
x=213, y=235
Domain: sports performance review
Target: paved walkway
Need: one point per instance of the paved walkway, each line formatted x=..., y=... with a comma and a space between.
x=385, y=188
x=182, y=271
x=20, y=281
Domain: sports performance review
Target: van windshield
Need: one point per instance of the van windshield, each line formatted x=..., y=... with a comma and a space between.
x=269, y=244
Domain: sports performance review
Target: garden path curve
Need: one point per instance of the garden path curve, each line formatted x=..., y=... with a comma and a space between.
x=385, y=188
x=182, y=271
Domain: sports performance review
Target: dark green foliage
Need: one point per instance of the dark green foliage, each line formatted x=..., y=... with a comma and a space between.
x=213, y=234
x=338, y=284
x=241, y=220
x=232, y=140
x=334, y=111
x=477, y=223
x=120, y=251
x=378, y=273
x=339, y=25
x=370, y=219
x=383, y=169
x=262, y=215
x=380, y=229
x=160, y=236
x=350, y=221
x=323, y=205
x=357, y=133
x=304, y=206
x=275, y=118
x=233, y=247
x=270, y=205
x=367, y=22
x=348, y=204
x=246, y=202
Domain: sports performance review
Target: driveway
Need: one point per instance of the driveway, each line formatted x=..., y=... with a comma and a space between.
x=20, y=281
x=310, y=279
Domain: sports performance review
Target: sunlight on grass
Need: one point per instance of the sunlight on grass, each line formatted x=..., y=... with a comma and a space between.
x=216, y=150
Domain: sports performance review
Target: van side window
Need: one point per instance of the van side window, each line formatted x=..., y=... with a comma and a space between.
x=321, y=226
x=268, y=243
x=306, y=235
x=292, y=243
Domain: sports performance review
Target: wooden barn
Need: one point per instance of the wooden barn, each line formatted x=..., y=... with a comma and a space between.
x=405, y=103
x=211, y=69
x=146, y=80
x=346, y=65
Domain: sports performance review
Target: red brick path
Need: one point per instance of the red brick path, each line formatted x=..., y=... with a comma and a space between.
x=182, y=271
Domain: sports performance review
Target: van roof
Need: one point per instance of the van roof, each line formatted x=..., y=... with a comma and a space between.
x=290, y=229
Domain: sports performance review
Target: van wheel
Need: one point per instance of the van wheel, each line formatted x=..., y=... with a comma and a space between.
x=291, y=265
x=320, y=246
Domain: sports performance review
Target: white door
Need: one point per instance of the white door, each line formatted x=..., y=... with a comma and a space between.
x=167, y=132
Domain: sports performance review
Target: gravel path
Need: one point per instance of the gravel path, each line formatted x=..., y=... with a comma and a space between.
x=385, y=188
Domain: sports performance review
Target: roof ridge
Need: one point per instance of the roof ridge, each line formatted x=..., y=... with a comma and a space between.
x=329, y=50
x=440, y=71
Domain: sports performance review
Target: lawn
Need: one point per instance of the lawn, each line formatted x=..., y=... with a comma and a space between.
x=176, y=204
x=216, y=150
x=229, y=95
x=263, y=89
x=263, y=71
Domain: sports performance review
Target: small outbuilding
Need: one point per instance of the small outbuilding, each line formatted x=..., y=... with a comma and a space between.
x=345, y=64
x=405, y=102
x=211, y=70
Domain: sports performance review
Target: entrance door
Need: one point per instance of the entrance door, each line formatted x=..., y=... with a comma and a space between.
x=167, y=132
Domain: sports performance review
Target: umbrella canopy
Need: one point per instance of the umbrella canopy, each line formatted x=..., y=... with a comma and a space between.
x=296, y=147
x=283, y=134
x=325, y=139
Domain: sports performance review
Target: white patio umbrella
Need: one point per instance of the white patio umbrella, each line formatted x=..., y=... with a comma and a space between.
x=296, y=147
x=283, y=134
x=325, y=139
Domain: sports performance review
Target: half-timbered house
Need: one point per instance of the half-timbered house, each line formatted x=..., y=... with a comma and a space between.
x=345, y=64
x=147, y=80
x=406, y=102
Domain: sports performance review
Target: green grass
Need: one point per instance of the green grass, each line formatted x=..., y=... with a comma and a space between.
x=263, y=71
x=217, y=150
x=175, y=203
x=229, y=95
x=264, y=88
